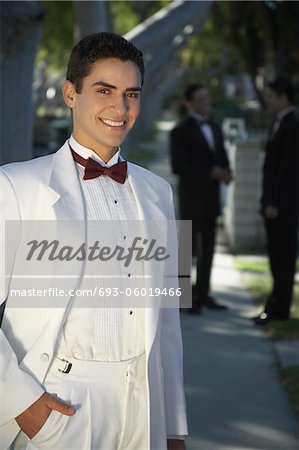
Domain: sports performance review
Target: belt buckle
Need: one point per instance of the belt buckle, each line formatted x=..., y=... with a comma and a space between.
x=67, y=367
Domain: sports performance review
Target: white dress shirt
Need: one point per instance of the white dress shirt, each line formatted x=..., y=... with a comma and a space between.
x=279, y=118
x=108, y=331
x=206, y=129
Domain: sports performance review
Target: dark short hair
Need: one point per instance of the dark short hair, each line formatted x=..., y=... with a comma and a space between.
x=189, y=91
x=281, y=86
x=100, y=46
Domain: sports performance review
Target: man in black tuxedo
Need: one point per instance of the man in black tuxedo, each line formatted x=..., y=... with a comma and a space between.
x=199, y=159
x=280, y=199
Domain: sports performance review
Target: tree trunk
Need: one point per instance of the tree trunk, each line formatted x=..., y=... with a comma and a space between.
x=21, y=23
x=165, y=24
x=91, y=17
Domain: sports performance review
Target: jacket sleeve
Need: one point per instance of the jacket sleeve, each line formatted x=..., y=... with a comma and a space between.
x=172, y=358
x=19, y=390
x=280, y=184
x=181, y=162
x=224, y=158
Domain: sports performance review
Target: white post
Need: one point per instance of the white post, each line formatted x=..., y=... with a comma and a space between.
x=241, y=216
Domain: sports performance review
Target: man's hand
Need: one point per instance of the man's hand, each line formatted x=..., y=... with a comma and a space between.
x=33, y=418
x=220, y=174
x=270, y=212
x=176, y=444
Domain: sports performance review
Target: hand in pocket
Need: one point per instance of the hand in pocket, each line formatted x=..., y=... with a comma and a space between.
x=33, y=418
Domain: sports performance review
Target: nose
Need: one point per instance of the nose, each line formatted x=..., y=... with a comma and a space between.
x=120, y=105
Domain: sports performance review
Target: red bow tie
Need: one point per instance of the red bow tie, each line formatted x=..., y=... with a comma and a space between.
x=93, y=169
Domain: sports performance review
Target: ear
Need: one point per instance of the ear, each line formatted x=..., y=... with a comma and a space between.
x=69, y=93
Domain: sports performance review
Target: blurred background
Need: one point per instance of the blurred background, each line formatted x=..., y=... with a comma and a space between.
x=232, y=47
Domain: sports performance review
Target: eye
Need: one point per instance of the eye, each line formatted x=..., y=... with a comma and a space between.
x=103, y=91
x=133, y=94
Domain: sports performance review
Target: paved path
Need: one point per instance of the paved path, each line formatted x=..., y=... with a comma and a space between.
x=234, y=398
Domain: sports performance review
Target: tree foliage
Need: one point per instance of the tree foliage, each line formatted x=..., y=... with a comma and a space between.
x=58, y=34
x=123, y=15
x=258, y=37
x=127, y=14
x=57, y=37
x=266, y=33
x=145, y=9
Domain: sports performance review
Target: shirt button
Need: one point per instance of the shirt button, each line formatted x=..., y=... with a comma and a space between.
x=131, y=312
x=129, y=275
x=44, y=357
x=115, y=201
x=129, y=352
x=125, y=237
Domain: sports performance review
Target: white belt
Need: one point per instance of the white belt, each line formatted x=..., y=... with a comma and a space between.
x=70, y=367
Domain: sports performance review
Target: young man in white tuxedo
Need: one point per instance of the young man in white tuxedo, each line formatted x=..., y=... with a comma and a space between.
x=91, y=378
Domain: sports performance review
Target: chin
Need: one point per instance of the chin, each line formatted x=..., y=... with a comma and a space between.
x=117, y=143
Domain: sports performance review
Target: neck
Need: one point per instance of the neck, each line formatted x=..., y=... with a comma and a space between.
x=283, y=107
x=105, y=153
x=199, y=116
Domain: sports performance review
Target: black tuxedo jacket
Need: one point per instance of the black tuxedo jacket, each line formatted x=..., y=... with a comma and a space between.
x=193, y=160
x=281, y=167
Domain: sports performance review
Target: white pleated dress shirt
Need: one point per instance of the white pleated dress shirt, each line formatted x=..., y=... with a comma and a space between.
x=206, y=129
x=107, y=331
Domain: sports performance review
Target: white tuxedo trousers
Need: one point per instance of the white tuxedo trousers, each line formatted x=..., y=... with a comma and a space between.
x=111, y=408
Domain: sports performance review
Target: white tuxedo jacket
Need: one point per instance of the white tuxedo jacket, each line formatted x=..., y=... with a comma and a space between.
x=48, y=188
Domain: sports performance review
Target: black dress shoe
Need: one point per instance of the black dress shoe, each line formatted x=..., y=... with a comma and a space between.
x=262, y=319
x=191, y=311
x=211, y=304
x=254, y=318
x=265, y=318
x=194, y=311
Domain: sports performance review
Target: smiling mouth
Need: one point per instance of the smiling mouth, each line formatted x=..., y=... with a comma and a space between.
x=113, y=123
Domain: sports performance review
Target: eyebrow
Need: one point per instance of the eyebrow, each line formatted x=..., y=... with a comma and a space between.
x=104, y=84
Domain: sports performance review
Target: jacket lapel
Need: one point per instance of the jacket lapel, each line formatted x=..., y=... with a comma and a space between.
x=65, y=199
x=65, y=186
x=146, y=196
x=154, y=224
x=204, y=145
x=68, y=206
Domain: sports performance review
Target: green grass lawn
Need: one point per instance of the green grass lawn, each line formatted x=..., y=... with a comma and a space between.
x=257, y=266
x=290, y=380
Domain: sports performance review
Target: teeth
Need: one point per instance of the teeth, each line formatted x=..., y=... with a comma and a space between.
x=111, y=123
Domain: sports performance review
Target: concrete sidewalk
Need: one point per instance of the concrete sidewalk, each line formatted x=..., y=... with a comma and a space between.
x=234, y=398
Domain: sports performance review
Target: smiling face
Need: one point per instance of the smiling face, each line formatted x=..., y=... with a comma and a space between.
x=106, y=108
